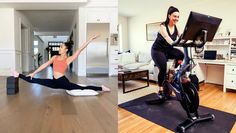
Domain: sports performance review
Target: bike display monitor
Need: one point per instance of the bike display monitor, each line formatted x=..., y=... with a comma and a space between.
x=197, y=23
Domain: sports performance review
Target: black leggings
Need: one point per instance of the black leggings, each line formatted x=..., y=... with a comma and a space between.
x=60, y=83
x=160, y=59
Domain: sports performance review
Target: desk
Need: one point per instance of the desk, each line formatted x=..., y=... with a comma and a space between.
x=221, y=72
x=214, y=62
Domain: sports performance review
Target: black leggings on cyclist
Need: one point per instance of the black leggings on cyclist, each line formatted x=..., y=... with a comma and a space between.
x=60, y=83
x=160, y=59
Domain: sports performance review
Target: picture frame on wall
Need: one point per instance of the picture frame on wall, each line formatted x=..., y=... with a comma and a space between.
x=152, y=30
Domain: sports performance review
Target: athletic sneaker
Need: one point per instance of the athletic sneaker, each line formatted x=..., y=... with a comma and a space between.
x=161, y=98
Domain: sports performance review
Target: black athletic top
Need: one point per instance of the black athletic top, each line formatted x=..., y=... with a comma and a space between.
x=160, y=42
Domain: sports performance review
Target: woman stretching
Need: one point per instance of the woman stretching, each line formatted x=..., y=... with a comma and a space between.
x=60, y=64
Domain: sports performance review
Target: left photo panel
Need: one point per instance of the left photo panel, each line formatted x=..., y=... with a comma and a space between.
x=59, y=66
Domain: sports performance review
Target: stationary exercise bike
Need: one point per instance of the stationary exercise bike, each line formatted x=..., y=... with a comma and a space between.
x=198, y=30
x=185, y=91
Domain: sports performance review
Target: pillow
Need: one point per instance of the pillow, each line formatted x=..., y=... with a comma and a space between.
x=126, y=58
x=134, y=65
x=85, y=92
x=148, y=67
x=144, y=57
x=152, y=62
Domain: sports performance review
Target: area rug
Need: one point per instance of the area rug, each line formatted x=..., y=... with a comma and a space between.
x=171, y=114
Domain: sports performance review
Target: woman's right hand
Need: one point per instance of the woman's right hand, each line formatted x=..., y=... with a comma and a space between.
x=31, y=75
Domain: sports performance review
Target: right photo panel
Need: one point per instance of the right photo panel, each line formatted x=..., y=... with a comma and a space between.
x=177, y=66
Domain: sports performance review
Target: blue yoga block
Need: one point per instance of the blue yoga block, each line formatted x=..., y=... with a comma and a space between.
x=12, y=85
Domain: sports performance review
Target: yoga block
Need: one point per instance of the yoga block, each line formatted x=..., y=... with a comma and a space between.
x=12, y=85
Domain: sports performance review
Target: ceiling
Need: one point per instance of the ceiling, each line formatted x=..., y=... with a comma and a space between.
x=42, y=6
x=50, y=20
x=132, y=8
x=48, y=17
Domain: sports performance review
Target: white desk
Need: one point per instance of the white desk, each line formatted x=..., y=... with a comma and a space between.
x=214, y=62
x=221, y=72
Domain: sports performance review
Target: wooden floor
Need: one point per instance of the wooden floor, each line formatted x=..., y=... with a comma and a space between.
x=38, y=109
x=210, y=96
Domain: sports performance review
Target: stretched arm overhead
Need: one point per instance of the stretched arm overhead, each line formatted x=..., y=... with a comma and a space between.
x=43, y=66
x=78, y=51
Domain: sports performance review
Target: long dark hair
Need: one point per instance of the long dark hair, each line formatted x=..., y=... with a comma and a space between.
x=69, y=45
x=169, y=12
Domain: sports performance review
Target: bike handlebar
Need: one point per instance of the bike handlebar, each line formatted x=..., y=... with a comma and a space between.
x=180, y=42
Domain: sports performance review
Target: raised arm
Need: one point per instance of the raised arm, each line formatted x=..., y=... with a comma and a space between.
x=42, y=67
x=78, y=51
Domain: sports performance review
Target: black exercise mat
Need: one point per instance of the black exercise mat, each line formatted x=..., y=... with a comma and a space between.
x=171, y=114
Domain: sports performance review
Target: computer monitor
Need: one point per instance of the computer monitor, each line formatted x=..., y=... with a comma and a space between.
x=198, y=22
x=210, y=54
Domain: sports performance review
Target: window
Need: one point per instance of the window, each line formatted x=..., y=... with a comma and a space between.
x=36, y=50
x=36, y=43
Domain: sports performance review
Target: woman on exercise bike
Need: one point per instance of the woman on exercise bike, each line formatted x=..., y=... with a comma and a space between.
x=162, y=50
x=60, y=64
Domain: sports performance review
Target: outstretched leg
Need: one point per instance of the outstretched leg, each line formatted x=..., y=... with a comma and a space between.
x=64, y=83
x=82, y=87
x=96, y=88
x=61, y=82
x=45, y=82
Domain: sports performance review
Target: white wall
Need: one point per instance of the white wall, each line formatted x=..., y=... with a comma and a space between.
x=136, y=25
x=25, y=52
x=40, y=1
x=123, y=22
x=81, y=38
x=74, y=30
x=7, y=41
x=11, y=51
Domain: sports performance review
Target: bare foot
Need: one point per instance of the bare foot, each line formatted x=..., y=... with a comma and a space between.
x=104, y=88
x=14, y=73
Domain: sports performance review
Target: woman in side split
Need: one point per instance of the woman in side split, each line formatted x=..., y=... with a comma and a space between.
x=60, y=64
